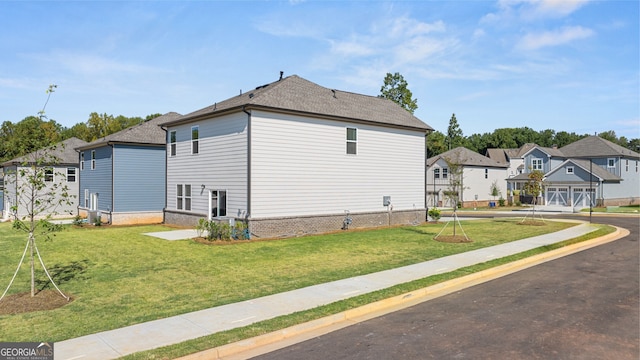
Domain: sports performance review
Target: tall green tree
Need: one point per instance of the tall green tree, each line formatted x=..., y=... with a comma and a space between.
x=396, y=89
x=32, y=133
x=455, y=137
x=436, y=143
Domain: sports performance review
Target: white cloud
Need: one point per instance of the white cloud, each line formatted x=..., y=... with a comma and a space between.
x=531, y=10
x=534, y=41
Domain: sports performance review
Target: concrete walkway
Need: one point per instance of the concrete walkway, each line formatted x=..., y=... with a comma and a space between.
x=150, y=335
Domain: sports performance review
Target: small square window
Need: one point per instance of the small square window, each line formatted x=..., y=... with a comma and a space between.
x=611, y=162
x=569, y=169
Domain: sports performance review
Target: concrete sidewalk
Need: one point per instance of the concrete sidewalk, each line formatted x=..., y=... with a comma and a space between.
x=150, y=335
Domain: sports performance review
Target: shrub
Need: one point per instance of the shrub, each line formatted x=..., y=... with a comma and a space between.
x=78, y=220
x=501, y=201
x=434, y=213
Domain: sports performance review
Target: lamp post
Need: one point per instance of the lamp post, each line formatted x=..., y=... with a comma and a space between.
x=590, y=188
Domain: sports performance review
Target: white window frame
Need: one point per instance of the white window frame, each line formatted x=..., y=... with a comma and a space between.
x=486, y=173
x=173, y=143
x=536, y=164
x=570, y=170
x=352, y=144
x=72, y=173
x=611, y=163
x=49, y=175
x=218, y=199
x=82, y=161
x=93, y=159
x=179, y=197
x=187, y=197
x=445, y=173
x=86, y=198
x=436, y=173
x=195, y=141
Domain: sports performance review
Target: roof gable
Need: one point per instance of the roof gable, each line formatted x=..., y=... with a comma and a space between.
x=295, y=94
x=553, y=152
x=585, y=165
x=466, y=157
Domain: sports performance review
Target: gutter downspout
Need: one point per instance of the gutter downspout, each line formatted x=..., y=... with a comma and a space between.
x=248, y=215
x=166, y=165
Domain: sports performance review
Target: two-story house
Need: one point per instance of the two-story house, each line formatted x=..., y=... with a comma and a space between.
x=122, y=175
x=292, y=157
x=61, y=162
x=467, y=175
x=589, y=172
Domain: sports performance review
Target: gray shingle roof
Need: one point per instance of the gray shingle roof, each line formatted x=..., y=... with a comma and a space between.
x=148, y=132
x=466, y=157
x=64, y=152
x=295, y=94
x=595, y=146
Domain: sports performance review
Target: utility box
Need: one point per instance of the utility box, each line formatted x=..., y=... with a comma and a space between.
x=386, y=200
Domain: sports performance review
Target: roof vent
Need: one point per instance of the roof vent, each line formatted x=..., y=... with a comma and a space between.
x=251, y=96
x=334, y=93
x=281, y=73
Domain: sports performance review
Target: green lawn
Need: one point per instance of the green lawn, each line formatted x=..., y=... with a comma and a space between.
x=121, y=277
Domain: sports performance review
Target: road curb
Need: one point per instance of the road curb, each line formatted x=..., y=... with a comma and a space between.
x=281, y=338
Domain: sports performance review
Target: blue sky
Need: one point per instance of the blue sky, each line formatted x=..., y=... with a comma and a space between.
x=551, y=64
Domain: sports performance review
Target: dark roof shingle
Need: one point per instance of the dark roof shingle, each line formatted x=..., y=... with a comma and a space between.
x=295, y=94
x=148, y=132
x=64, y=152
x=466, y=157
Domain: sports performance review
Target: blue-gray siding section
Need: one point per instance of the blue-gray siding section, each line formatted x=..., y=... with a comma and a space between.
x=139, y=178
x=579, y=175
x=98, y=180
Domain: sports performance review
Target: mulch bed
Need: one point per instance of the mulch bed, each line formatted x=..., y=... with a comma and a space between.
x=24, y=303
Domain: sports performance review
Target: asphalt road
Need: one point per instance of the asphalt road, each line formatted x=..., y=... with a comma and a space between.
x=583, y=306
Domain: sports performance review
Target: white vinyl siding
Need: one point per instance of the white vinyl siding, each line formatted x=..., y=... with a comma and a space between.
x=221, y=164
x=299, y=167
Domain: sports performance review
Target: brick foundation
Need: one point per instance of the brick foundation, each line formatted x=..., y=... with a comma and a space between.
x=281, y=227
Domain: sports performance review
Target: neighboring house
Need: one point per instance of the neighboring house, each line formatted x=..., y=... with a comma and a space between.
x=478, y=174
x=122, y=176
x=63, y=172
x=513, y=157
x=614, y=180
x=292, y=157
